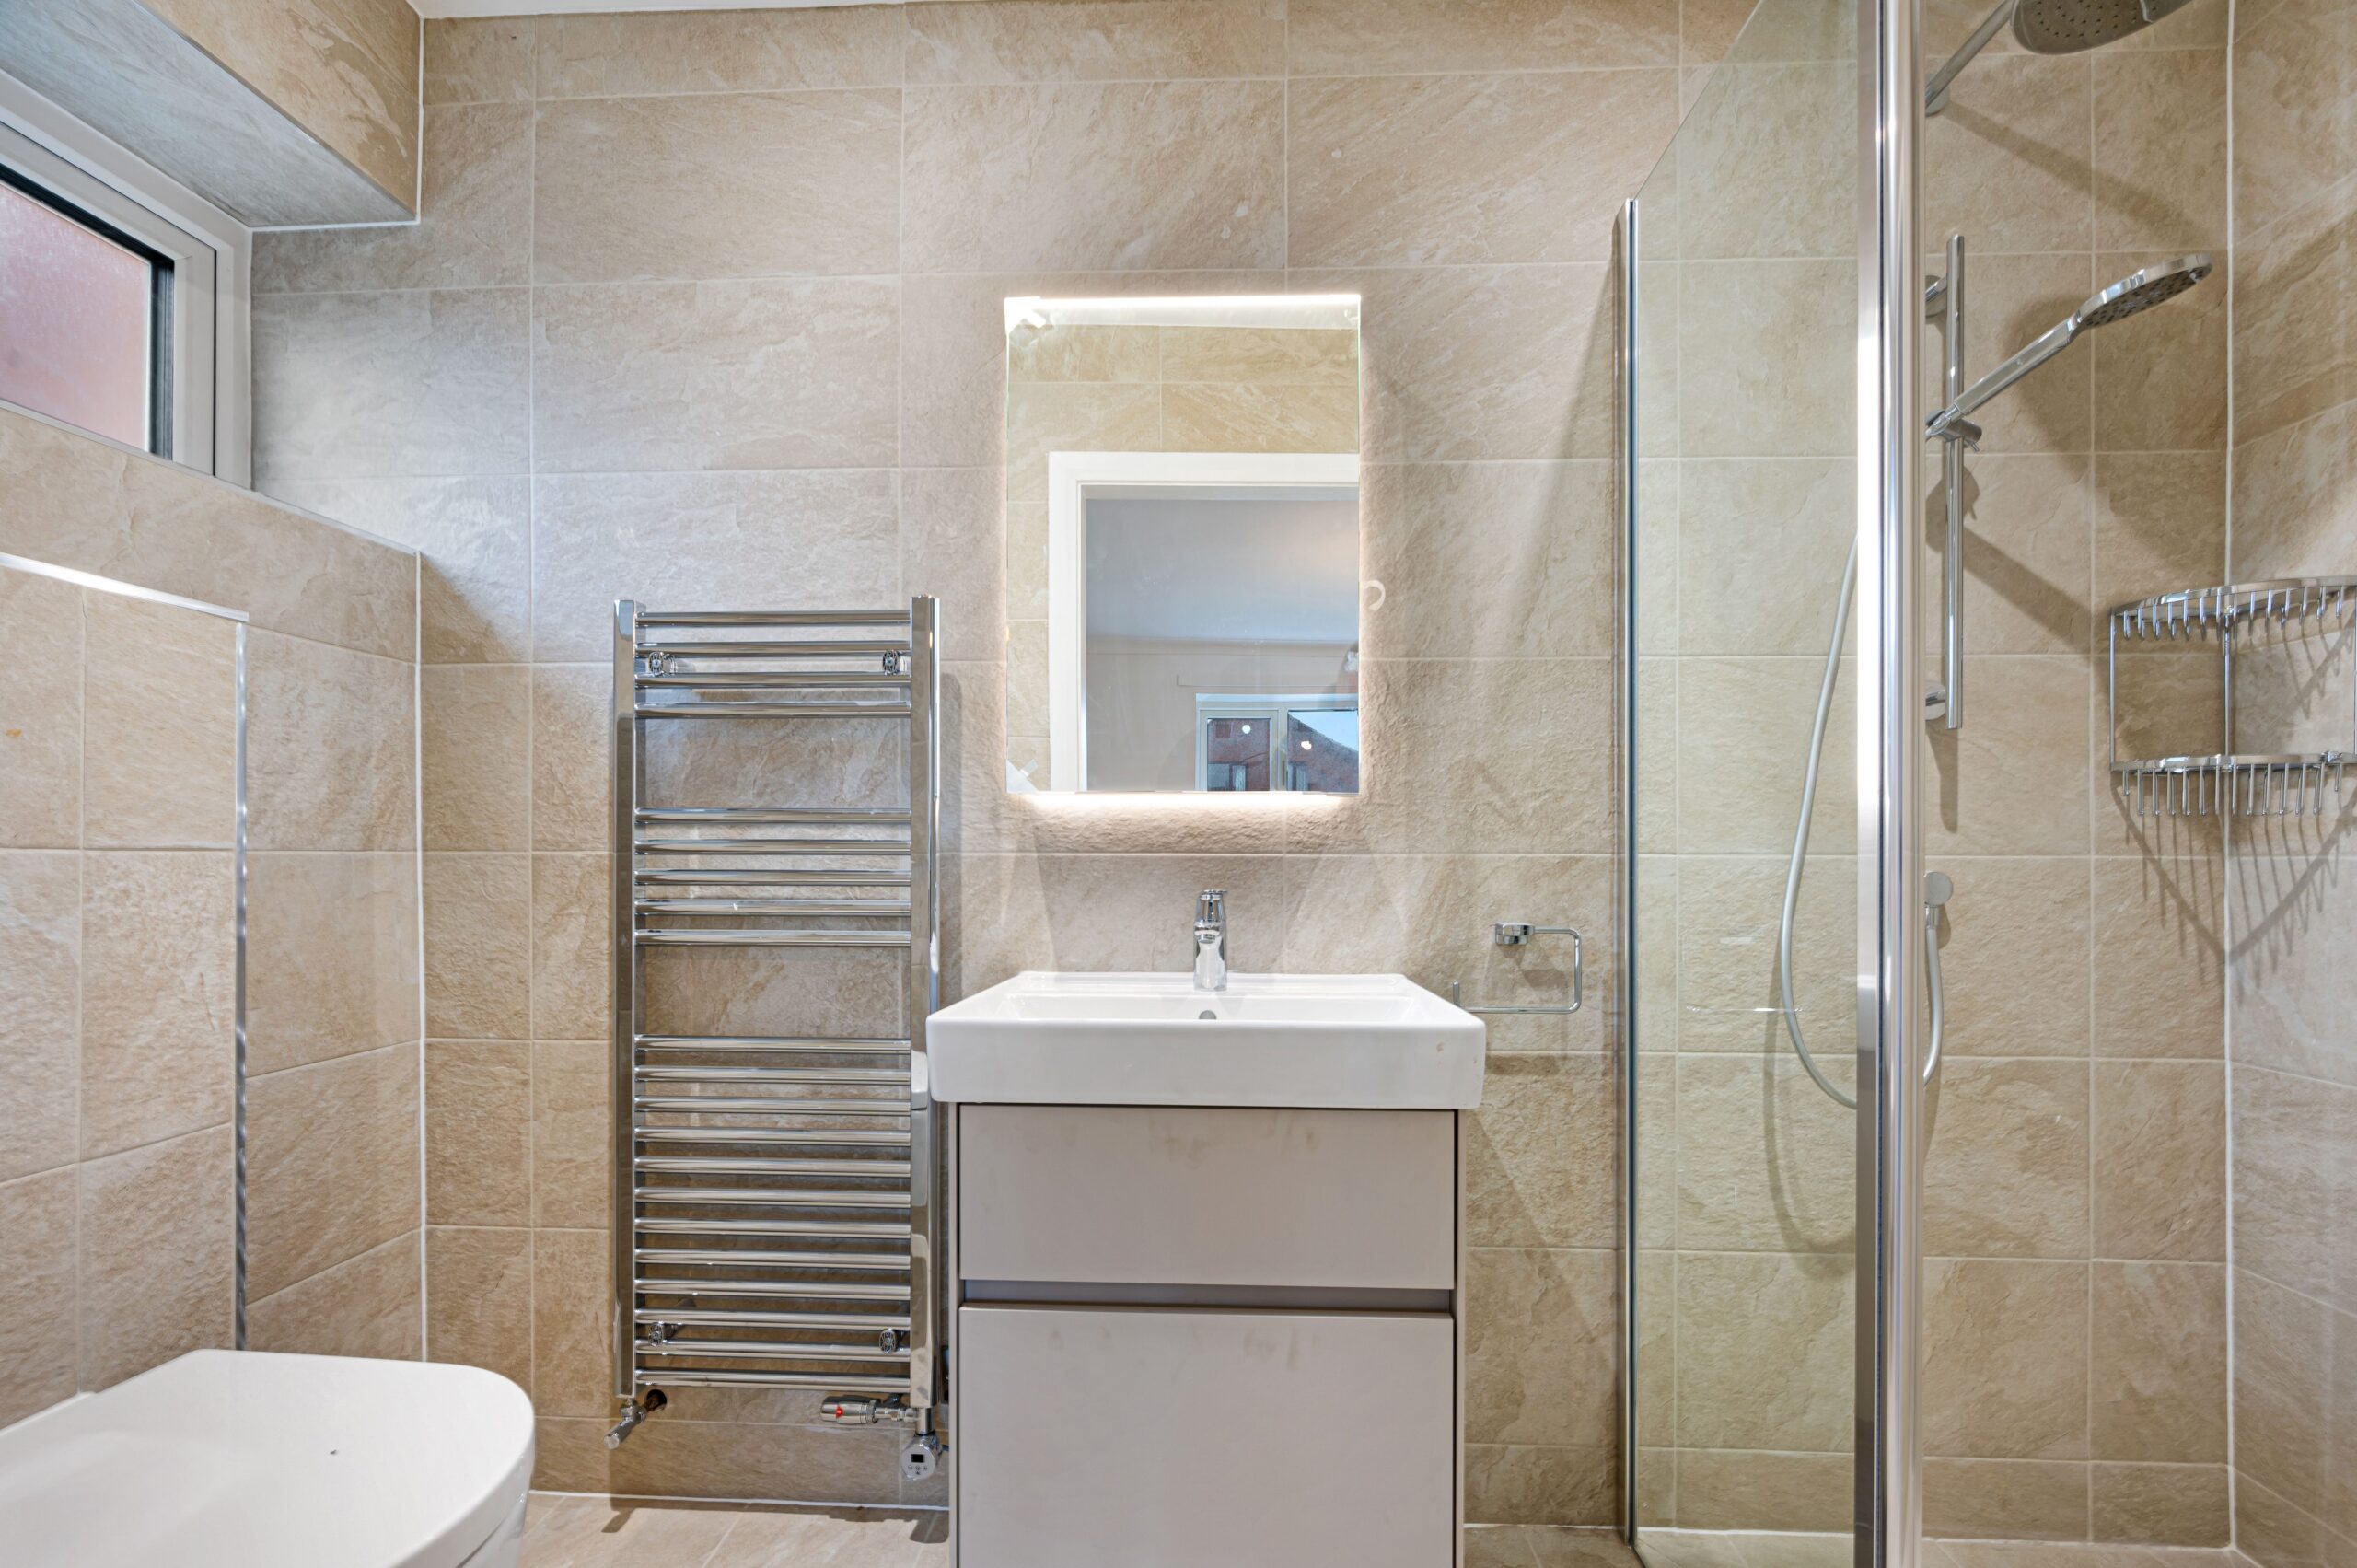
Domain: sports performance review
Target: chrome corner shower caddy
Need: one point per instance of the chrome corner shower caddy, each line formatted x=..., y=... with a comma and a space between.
x=776, y=1200
x=2230, y=782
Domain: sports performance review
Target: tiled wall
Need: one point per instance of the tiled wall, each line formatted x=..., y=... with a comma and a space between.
x=2293, y=917
x=2075, y=1371
x=116, y=947
x=706, y=310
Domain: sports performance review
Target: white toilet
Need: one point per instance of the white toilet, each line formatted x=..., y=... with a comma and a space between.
x=243, y=1460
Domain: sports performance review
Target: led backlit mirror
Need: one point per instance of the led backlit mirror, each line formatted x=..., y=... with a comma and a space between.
x=1182, y=538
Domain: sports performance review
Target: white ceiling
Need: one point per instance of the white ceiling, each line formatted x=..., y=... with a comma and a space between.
x=554, y=8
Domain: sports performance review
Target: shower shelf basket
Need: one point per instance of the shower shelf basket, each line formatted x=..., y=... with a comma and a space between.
x=2231, y=783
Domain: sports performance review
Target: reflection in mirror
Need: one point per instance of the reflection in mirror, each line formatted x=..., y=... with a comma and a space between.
x=1183, y=544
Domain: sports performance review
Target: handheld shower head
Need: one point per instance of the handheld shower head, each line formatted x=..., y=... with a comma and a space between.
x=2137, y=292
x=2050, y=26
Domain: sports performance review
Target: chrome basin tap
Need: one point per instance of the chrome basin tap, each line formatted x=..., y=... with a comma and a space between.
x=1211, y=940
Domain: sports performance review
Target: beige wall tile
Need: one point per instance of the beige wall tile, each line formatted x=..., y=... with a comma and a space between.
x=1346, y=38
x=475, y=735
x=2005, y=1499
x=1025, y=40
x=2012, y=781
x=346, y=73
x=572, y=756
x=2292, y=82
x=1765, y=1346
x=1541, y=1339
x=477, y=946
x=2029, y=536
x=1537, y=583
x=2281, y=1340
x=2161, y=380
x=41, y=960
x=2009, y=162
x=2292, y=1182
x=39, y=1274
x=572, y=1365
x=41, y=715
x=474, y=229
x=2159, y=1363
x=1761, y=710
x=474, y=536
x=1430, y=916
x=156, y=1249
x=1726, y=979
x=448, y=390
x=159, y=736
x=2287, y=280
x=1229, y=418
x=1538, y=1168
x=1123, y=175
x=2005, y=1370
x=2159, y=517
x=2269, y=1531
x=478, y=60
x=1757, y=537
x=1765, y=1162
x=209, y=541
x=365, y=1306
x=331, y=955
x=1656, y=1386
x=2291, y=987
x=1520, y=1484
x=953, y=546
x=2005, y=1174
x=572, y=1133
x=1734, y=317
x=159, y=996
x=2160, y=1162
x=603, y=56
x=2015, y=943
x=330, y=747
x=479, y=1300
x=753, y=374
x=2160, y=149
x=571, y=919
x=2167, y=1504
x=1766, y=170
x=1721, y=1488
x=1428, y=170
x=788, y=540
x=478, y=1133
x=1004, y=913
x=1421, y=790
x=332, y=1163
x=717, y=186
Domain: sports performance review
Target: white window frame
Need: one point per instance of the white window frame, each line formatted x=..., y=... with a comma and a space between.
x=1071, y=476
x=211, y=254
x=1271, y=709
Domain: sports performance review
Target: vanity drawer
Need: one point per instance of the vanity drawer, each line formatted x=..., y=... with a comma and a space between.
x=1191, y=1195
x=1173, y=1438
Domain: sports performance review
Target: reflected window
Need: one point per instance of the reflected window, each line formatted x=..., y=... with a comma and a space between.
x=81, y=317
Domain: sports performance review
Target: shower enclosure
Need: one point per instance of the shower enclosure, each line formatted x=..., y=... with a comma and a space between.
x=1906, y=980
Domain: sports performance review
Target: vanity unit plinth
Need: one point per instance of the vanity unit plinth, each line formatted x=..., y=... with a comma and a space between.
x=1193, y=1328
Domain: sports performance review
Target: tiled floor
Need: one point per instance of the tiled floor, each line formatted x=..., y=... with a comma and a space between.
x=595, y=1532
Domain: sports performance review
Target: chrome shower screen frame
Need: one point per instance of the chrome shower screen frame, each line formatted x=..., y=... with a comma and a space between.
x=1890, y=978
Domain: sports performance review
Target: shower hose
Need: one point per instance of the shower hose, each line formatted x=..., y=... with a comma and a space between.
x=1788, y=1005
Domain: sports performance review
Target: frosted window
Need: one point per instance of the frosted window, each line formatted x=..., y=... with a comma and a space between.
x=75, y=314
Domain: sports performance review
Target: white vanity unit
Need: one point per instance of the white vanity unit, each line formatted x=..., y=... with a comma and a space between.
x=1207, y=1261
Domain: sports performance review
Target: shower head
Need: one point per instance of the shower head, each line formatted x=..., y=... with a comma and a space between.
x=2066, y=26
x=2050, y=26
x=2138, y=291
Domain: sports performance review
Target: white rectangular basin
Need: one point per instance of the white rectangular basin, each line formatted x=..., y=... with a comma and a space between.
x=1356, y=1041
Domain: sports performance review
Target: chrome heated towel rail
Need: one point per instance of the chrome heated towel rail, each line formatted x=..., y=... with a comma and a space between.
x=776, y=1221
